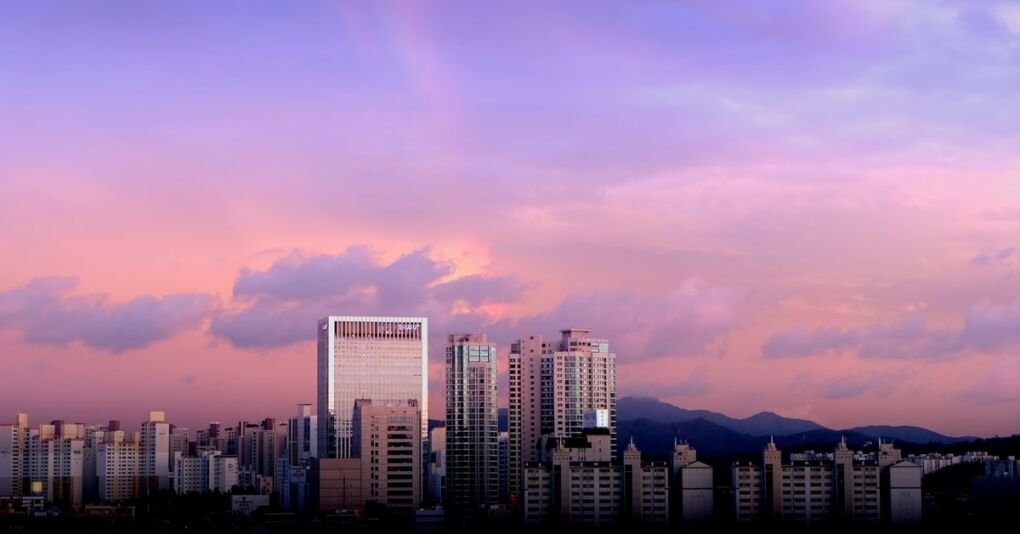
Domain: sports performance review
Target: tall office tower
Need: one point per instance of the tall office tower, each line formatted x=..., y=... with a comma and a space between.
x=472, y=433
x=14, y=457
x=302, y=443
x=387, y=438
x=117, y=467
x=552, y=385
x=379, y=358
x=154, y=465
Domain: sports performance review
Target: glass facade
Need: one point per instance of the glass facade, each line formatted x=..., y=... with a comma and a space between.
x=379, y=358
x=472, y=431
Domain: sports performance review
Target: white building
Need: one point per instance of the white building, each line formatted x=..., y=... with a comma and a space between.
x=552, y=386
x=14, y=457
x=904, y=490
x=850, y=486
x=189, y=474
x=210, y=471
x=582, y=486
x=154, y=467
x=380, y=358
x=58, y=465
x=302, y=435
x=117, y=460
x=692, y=484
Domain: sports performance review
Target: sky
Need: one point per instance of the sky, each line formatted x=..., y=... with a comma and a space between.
x=811, y=208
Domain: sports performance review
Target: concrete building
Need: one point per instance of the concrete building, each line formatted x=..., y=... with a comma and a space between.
x=581, y=485
x=552, y=385
x=57, y=463
x=180, y=438
x=223, y=472
x=903, y=480
x=387, y=437
x=257, y=450
x=117, y=460
x=848, y=487
x=154, y=449
x=380, y=358
x=337, y=485
x=302, y=436
x=188, y=474
x=693, y=493
x=472, y=432
x=211, y=470
x=14, y=457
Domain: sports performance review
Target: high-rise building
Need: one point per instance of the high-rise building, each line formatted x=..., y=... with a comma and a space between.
x=552, y=385
x=581, y=485
x=179, y=441
x=14, y=457
x=847, y=485
x=155, y=453
x=257, y=450
x=302, y=442
x=387, y=439
x=117, y=467
x=693, y=486
x=380, y=358
x=57, y=465
x=472, y=432
x=211, y=470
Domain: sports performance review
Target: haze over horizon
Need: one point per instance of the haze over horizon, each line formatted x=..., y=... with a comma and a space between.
x=809, y=208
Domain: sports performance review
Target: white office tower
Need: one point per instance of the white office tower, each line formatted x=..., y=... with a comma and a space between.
x=380, y=358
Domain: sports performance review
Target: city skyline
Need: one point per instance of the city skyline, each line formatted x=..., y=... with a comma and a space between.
x=799, y=207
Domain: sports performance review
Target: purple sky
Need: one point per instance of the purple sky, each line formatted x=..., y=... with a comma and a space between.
x=805, y=207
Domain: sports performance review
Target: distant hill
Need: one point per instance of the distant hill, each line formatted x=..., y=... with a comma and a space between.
x=772, y=424
x=761, y=424
x=913, y=434
x=655, y=438
x=713, y=441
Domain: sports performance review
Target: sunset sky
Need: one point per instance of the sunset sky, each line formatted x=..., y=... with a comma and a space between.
x=811, y=208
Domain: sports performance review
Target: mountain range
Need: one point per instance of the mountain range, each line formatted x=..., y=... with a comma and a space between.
x=653, y=425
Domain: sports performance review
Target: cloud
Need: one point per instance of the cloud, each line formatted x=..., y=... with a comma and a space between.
x=998, y=385
x=988, y=327
x=1003, y=214
x=685, y=322
x=855, y=385
x=1002, y=256
x=280, y=305
x=48, y=316
x=696, y=384
x=478, y=289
